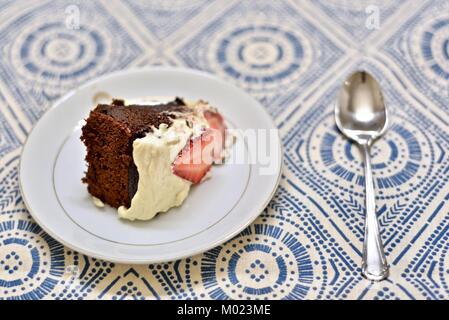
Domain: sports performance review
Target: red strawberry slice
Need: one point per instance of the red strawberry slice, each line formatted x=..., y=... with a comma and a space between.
x=195, y=159
x=216, y=122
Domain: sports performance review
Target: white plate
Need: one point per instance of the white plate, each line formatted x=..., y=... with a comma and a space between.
x=52, y=165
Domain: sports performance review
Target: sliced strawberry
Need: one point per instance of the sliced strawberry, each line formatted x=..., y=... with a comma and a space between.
x=195, y=159
x=193, y=173
x=216, y=122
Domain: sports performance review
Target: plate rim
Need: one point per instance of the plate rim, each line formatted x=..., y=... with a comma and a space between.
x=200, y=249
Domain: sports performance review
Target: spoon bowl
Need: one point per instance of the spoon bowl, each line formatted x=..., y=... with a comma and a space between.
x=360, y=113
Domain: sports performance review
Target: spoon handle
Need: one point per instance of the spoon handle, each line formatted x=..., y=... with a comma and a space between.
x=374, y=265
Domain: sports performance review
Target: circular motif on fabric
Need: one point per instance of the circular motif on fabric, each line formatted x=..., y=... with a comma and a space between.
x=429, y=45
x=264, y=263
x=52, y=53
x=400, y=157
x=30, y=261
x=262, y=56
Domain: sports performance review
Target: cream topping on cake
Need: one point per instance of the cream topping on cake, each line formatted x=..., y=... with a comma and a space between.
x=159, y=189
x=97, y=202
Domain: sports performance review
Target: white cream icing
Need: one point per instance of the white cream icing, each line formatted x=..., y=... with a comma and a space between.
x=97, y=202
x=158, y=188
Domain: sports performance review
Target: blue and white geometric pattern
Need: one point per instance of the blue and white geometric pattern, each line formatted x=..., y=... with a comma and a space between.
x=265, y=48
x=421, y=49
x=45, y=57
x=164, y=18
x=292, y=56
x=352, y=15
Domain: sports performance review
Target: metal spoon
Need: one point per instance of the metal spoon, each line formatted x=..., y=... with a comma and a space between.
x=361, y=115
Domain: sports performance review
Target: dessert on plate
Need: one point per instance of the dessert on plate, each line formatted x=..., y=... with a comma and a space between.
x=143, y=157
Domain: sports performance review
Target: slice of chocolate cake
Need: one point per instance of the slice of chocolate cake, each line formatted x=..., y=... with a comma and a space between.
x=142, y=158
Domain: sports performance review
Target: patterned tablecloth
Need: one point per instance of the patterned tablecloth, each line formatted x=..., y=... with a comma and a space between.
x=292, y=56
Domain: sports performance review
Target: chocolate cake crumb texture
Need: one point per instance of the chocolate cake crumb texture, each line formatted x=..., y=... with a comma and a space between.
x=108, y=134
